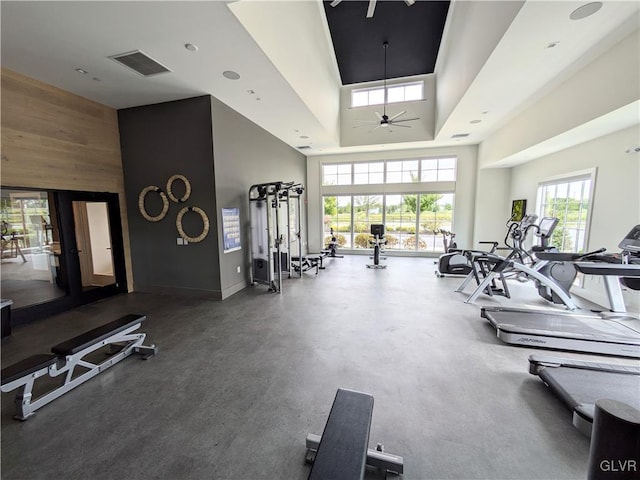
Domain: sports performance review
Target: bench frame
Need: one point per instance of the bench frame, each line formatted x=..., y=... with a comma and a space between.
x=123, y=342
x=377, y=458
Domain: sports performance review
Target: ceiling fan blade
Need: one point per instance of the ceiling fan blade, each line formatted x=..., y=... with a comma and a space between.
x=408, y=2
x=335, y=2
x=378, y=115
x=397, y=115
x=372, y=7
x=374, y=128
x=396, y=125
x=406, y=120
x=372, y=122
x=366, y=125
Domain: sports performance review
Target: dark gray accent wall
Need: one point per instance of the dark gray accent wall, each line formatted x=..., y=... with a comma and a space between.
x=245, y=154
x=158, y=141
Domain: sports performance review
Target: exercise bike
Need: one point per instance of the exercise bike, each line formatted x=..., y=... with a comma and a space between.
x=378, y=243
x=332, y=247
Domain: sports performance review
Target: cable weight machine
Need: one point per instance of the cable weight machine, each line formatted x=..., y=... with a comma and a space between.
x=272, y=230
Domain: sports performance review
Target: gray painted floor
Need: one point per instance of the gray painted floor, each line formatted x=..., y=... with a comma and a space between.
x=238, y=384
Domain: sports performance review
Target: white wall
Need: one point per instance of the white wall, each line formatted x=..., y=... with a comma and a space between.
x=492, y=205
x=616, y=201
x=464, y=192
x=472, y=31
x=610, y=82
x=245, y=154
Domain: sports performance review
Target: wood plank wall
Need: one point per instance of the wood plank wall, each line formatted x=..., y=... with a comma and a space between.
x=53, y=139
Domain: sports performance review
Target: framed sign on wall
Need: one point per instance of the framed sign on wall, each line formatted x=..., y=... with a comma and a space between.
x=231, y=229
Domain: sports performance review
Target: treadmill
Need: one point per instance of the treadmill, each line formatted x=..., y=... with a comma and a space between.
x=579, y=384
x=605, y=333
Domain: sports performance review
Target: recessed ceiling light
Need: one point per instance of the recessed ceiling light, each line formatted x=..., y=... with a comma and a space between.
x=585, y=10
x=80, y=70
x=304, y=136
x=250, y=92
x=231, y=75
x=475, y=121
x=191, y=47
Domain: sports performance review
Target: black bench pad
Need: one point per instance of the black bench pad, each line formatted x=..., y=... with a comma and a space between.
x=342, y=453
x=27, y=366
x=79, y=343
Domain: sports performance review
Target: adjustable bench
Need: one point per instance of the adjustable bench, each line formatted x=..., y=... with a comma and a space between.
x=116, y=336
x=341, y=452
x=307, y=262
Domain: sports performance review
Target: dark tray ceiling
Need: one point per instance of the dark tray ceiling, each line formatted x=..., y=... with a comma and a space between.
x=413, y=32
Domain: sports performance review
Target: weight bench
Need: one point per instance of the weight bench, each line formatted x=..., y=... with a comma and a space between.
x=69, y=358
x=341, y=453
x=309, y=261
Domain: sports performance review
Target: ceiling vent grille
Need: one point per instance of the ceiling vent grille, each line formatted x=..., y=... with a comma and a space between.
x=460, y=135
x=141, y=63
x=303, y=147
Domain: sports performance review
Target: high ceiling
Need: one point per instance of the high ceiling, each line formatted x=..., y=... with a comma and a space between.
x=289, y=81
x=413, y=33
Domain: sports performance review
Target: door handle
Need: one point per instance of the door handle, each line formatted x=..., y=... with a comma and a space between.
x=75, y=250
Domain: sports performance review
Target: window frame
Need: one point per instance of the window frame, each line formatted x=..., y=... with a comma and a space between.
x=568, y=178
x=385, y=97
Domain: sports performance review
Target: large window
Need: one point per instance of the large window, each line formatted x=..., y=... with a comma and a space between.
x=406, y=92
x=413, y=222
x=336, y=174
x=416, y=206
x=438, y=169
x=337, y=217
x=368, y=173
x=403, y=171
x=397, y=171
x=569, y=201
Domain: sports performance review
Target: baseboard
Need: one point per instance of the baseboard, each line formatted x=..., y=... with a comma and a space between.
x=188, y=292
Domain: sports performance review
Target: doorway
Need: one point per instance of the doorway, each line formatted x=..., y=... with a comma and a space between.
x=73, y=240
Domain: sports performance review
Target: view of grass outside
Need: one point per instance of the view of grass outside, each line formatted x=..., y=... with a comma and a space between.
x=412, y=222
x=25, y=215
x=569, y=202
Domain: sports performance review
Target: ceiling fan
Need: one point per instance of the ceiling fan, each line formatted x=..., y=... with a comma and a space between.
x=372, y=5
x=384, y=121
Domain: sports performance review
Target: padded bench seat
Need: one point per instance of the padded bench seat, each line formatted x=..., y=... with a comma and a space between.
x=27, y=366
x=81, y=342
x=342, y=453
x=72, y=359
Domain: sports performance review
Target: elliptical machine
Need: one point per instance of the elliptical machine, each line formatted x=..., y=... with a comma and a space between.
x=454, y=262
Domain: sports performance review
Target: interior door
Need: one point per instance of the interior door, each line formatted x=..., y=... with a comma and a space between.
x=94, y=247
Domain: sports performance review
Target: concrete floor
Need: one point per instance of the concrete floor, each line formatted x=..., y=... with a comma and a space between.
x=238, y=384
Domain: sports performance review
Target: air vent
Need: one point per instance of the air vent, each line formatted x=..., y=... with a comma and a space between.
x=140, y=63
x=303, y=147
x=460, y=135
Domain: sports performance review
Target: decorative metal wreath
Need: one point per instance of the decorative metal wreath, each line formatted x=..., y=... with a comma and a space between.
x=165, y=203
x=187, y=187
x=205, y=222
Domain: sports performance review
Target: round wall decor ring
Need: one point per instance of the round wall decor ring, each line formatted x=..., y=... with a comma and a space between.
x=165, y=203
x=205, y=222
x=187, y=188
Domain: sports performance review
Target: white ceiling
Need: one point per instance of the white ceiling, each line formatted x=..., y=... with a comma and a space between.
x=287, y=60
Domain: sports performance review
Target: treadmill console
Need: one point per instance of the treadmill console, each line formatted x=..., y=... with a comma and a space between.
x=631, y=243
